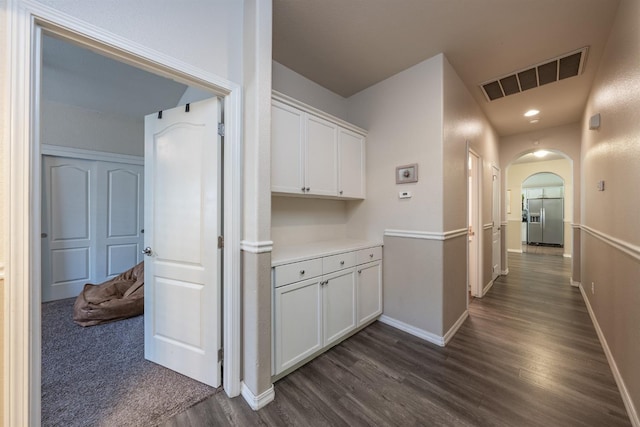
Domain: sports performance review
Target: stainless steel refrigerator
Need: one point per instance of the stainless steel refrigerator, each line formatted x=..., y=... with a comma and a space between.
x=546, y=225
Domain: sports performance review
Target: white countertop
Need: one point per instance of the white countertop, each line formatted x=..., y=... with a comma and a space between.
x=288, y=254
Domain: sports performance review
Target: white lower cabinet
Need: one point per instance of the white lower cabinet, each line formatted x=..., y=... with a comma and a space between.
x=339, y=308
x=369, y=278
x=311, y=314
x=298, y=322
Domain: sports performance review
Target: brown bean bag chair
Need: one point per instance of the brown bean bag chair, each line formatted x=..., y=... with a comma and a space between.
x=115, y=299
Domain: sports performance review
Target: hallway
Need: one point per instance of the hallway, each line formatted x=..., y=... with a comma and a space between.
x=528, y=355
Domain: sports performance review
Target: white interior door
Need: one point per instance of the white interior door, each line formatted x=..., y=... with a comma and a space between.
x=496, y=224
x=68, y=226
x=182, y=220
x=119, y=218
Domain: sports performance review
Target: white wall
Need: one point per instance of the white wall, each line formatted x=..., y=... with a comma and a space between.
x=206, y=34
x=464, y=121
x=299, y=87
x=193, y=94
x=403, y=116
x=610, y=234
x=296, y=220
x=565, y=138
x=76, y=127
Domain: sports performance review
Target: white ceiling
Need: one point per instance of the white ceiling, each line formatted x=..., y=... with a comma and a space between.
x=349, y=45
x=76, y=76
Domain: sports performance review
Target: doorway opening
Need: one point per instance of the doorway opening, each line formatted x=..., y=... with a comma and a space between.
x=92, y=127
x=543, y=214
x=540, y=184
x=25, y=191
x=474, y=235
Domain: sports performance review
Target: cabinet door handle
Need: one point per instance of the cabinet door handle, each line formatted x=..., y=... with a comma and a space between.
x=302, y=189
x=370, y=255
x=359, y=271
x=307, y=189
x=341, y=262
x=301, y=272
x=341, y=192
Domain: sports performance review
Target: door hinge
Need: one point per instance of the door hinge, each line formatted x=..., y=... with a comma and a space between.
x=220, y=242
x=220, y=354
x=221, y=129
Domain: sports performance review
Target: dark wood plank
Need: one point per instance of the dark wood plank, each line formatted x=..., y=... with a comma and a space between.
x=527, y=355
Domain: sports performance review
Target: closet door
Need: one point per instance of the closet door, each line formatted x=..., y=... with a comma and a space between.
x=119, y=218
x=68, y=226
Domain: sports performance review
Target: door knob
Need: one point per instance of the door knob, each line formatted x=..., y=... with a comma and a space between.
x=147, y=251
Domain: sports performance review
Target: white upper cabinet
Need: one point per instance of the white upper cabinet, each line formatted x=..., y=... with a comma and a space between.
x=287, y=148
x=351, y=168
x=321, y=165
x=314, y=153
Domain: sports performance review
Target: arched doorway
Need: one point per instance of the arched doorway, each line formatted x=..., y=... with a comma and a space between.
x=527, y=177
x=542, y=197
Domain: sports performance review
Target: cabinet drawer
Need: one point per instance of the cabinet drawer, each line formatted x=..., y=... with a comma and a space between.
x=368, y=255
x=338, y=262
x=294, y=272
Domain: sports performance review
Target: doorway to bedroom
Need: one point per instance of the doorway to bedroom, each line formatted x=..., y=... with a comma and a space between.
x=92, y=135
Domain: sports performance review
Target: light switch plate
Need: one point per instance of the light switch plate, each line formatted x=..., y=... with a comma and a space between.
x=404, y=195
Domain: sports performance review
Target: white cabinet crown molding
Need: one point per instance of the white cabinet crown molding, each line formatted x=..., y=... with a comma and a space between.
x=309, y=109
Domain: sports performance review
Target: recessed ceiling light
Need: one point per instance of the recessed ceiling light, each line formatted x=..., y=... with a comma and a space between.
x=540, y=153
x=531, y=113
x=534, y=121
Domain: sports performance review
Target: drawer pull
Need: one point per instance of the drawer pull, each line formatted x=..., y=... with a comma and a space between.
x=301, y=272
x=370, y=255
x=359, y=271
x=341, y=262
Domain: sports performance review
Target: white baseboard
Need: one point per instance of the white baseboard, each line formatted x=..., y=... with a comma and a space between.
x=260, y=401
x=417, y=332
x=626, y=399
x=515, y=251
x=486, y=288
x=452, y=331
x=566, y=255
x=574, y=284
x=505, y=272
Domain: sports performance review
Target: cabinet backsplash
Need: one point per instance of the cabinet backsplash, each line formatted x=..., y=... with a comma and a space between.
x=296, y=220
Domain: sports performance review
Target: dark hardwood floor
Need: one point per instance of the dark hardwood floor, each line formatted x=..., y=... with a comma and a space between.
x=528, y=355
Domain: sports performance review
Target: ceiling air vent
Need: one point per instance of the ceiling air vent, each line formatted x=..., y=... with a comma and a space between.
x=562, y=67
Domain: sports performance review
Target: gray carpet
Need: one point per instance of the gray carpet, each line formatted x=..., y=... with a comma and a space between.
x=97, y=376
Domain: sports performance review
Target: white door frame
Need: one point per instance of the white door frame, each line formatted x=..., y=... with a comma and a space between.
x=476, y=172
x=22, y=344
x=496, y=216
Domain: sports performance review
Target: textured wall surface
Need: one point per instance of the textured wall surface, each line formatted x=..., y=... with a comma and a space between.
x=610, y=238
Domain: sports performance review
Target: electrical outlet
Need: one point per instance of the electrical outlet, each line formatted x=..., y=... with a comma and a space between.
x=593, y=288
